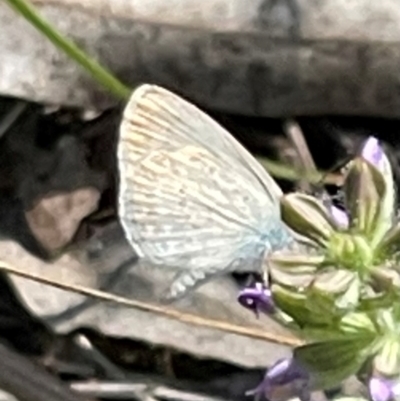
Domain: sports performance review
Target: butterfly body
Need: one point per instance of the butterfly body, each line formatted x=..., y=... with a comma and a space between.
x=191, y=197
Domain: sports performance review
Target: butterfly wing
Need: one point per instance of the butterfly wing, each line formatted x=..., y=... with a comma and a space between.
x=191, y=197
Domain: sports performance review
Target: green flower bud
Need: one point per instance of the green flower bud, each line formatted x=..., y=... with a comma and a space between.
x=363, y=187
x=370, y=196
x=387, y=361
x=308, y=217
x=294, y=304
x=338, y=290
x=293, y=270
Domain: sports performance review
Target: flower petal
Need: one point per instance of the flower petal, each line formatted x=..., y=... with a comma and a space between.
x=373, y=153
x=380, y=389
x=284, y=380
x=257, y=298
x=340, y=217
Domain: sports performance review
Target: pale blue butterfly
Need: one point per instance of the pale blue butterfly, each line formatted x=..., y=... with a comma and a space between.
x=191, y=197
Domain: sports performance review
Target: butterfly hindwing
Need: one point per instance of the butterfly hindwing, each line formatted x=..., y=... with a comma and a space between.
x=191, y=197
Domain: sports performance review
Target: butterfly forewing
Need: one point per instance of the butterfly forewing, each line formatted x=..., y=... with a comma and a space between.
x=191, y=197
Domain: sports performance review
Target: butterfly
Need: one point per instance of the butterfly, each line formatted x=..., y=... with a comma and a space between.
x=191, y=197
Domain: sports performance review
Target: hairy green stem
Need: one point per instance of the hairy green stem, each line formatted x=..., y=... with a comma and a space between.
x=99, y=73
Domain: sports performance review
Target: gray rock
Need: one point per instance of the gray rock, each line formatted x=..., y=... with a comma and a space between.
x=266, y=57
x=107, y=263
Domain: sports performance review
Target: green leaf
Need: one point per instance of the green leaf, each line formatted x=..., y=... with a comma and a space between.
x=307, y=216
x=331, y=362
x=327, y=333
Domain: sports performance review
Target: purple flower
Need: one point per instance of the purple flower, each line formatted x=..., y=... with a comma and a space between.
x=258, y=299
x=340, y=217
x=284, y=380
x=373, y=153
x=382, y=389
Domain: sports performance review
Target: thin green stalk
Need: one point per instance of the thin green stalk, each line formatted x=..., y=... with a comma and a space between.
x=283, y=171
x=100, y=74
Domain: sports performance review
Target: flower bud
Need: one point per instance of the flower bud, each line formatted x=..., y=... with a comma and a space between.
x=295, y=305
x=370, y=193
x=307, y=216
x=351, y=251
x=363, y=188
x=337, y=289
x=387, y=361
x=293, y=270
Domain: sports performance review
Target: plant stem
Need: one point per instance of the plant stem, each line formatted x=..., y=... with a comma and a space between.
x=100, y=74
x=283, y=171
